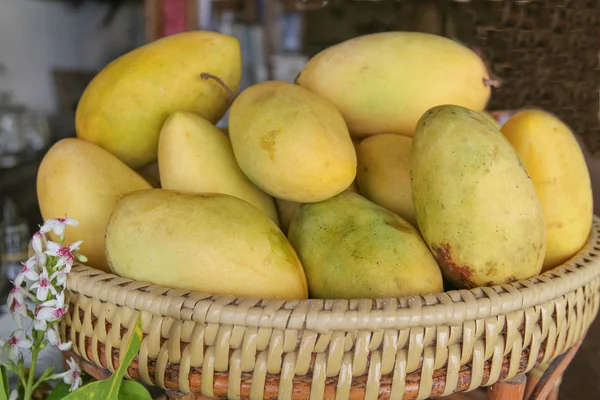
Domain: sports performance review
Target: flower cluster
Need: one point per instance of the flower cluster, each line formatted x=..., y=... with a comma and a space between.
x=38, y=299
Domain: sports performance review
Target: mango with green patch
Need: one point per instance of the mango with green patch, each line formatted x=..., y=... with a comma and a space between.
x=352, y=248
x=476, y=206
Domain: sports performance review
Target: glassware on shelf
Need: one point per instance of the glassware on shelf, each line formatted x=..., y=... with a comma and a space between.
x=14, y=235
x=23, y=132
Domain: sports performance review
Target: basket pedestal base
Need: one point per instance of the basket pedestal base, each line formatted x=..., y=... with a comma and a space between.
x=517, y=388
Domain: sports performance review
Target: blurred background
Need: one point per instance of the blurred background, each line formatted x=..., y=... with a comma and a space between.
x=51, y=49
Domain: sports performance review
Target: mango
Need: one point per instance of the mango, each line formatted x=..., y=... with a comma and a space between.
x=476, y=207
x=352, y=248
x=124, y=107
x=85, y=182
x=556, y=164
x=292, y=143
x=184, y=241
x=195, y=156
x=287, y=209
x=383, y=173
x=384, y=82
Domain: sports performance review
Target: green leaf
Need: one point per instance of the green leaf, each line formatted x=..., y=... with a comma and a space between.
x=108, y=389
x=60, y=391
x=132, y=390
x=3, y=384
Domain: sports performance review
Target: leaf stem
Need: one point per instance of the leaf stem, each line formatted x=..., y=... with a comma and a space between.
x=30, y=387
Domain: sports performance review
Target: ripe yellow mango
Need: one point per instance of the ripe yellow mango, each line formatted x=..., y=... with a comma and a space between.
x=476, y=207
x=185, y=241
x=84, y=181
x=292, y=143
x=125, y=105
x=558, y=169
x=352, y=248
x=195, y=156
x=384, y=82
x=383, y=173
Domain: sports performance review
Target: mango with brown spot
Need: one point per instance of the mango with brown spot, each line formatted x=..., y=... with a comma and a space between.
x=476, y=206
x=291, y=143
x=352, y=248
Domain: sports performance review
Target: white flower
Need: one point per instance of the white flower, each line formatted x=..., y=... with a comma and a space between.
x=54, y=339
x=73, y=375
x=50, y=311
x=43, y=286
x=29, y=273
x=60, y=276
x=38, y=242
x=14, y=395
x=66, y=254
x=16, y=342
x=16, y=305
x=58, y=225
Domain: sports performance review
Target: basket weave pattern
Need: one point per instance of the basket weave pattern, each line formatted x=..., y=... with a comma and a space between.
x=416, y=347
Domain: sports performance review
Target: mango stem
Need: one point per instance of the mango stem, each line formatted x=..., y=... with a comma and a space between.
x=206, y=76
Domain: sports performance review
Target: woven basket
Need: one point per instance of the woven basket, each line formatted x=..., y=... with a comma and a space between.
x=412, y=347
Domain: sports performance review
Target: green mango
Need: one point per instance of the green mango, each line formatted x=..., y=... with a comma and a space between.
x=352, y=248
x=475, y=203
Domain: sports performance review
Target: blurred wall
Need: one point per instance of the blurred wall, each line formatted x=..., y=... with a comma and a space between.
x=39, y=35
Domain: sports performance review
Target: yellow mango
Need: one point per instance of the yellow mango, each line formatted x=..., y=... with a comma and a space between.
x=352, y=248
x=555, y=162
x=291, y=142
x=383, y=173
x=84, y=181
x=185, y=241
x=124, y=107
x=195, y=156
x=384, y=82
x=476, y=207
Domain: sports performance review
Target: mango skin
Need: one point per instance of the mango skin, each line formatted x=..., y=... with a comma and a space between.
x=184, y=241
x=287, y=210
x=291, y=142
x=384, y=82
x=476, y=207
x=556, y=164
x=124, y=107
x=195, y=156
x=352, y=248
x=383, y=173
x=85, y=182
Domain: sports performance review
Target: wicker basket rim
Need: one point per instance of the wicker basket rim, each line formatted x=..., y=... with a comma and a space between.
x=444, y=308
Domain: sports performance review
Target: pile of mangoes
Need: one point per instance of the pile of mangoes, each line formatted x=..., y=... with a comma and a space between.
x=377, y=173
